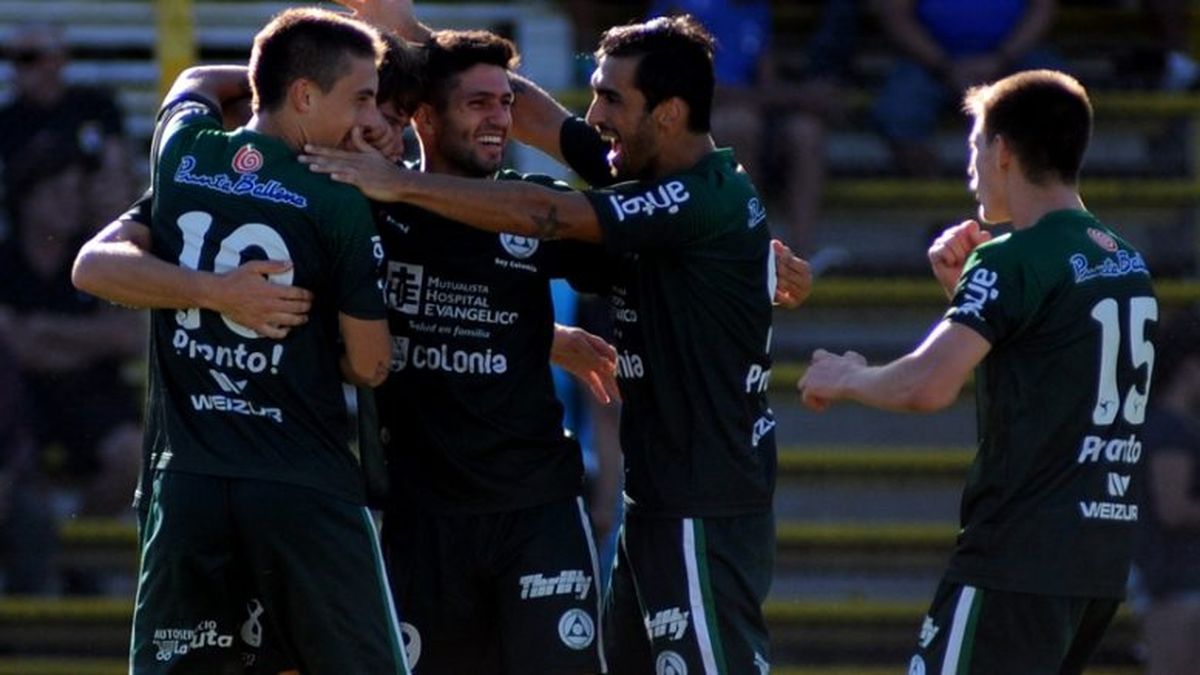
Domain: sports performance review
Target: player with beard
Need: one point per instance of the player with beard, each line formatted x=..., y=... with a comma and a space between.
x=691, y=295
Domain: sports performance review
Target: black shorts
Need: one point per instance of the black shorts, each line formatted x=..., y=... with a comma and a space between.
x=497, y=593
x=976, y=631
x=227, y=561
x=686, y=596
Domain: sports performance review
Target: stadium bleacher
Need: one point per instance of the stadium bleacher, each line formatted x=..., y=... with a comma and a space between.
x=867, y=502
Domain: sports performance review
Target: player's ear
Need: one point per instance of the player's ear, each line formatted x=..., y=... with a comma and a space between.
x=423, y=117
x=670, y=113
x=1003, y=154
x=300, y=94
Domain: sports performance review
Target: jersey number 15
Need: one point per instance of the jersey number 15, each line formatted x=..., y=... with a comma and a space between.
x=1108, y=397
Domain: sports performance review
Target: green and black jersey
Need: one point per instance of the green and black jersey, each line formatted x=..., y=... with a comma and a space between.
x=470, y=416
x=691, y=310
x=1050, y=504
x=223, y=400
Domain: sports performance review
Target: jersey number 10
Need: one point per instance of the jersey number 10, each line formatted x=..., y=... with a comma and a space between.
x=195, y=225
x=1108, y=398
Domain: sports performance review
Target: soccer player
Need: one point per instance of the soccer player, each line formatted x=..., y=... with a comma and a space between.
x=1060, y=317
x=256, y=492
x=487, y=538
x=692, y=301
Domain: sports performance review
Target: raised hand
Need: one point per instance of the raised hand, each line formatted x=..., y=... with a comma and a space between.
x=365, y=168
x=950, y=250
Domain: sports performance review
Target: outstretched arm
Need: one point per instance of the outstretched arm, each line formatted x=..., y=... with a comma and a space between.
x=537, y=117
x=497, y=206
x=389, y=15
x=927, y=379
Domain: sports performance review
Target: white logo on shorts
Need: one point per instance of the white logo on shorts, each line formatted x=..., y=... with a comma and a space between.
x=412, y=643
x=916, y=666
x=670, y=663
x=252, y=629
x=576, y=629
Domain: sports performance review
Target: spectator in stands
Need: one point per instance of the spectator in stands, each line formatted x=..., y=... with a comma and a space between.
x=1173, y=20
x=760, y=114
x=46, y=110
x=70, y=347
x=948, y=46
x=27, y=534
x=1167, y=559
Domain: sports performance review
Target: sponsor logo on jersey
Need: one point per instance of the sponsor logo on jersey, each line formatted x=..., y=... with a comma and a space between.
x=226, y=383
x=576, y=629
x=245, y=185
x=758, y=213
x=237, y=357
x=390, y=220
x=443, y=358
x=412, y=643
x=237, y=406
x=247, y=159
x=172, y=642
x=1122, y=264
x=1103, y=240
x=670, y=663
x=764, y=668
x=252, y=630
x=762, y=427
x=630, y=366
x=916, y=666
x=667, y=197
x=1118, y=485
x=1112, y=450
x=929, y=630
x=518, y=246
x=1109, y=511
x=567, y=582
x=402, y=287
x=669, y=623
x=757, y=379
x=980, y=289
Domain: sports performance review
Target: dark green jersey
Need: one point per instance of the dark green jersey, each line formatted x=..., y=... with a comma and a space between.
x=471, y=419
x=223, y=400
x=692, y=319
x=1050, y=504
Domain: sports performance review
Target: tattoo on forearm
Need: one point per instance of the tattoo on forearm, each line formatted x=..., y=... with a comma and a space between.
x=548, y=226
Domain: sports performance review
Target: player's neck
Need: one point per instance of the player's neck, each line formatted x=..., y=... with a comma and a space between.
x=277, y=126
x=681, y=154
x=1029, y=203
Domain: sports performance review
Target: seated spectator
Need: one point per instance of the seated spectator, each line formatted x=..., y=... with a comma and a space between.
x=762, y=116
x=947, y=46
x=47, y=111
x=27, y=534
x=69, y=346
x=1167, y=558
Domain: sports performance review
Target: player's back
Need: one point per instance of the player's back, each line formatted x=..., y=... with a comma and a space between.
x=1070, y=311
x=232, y=402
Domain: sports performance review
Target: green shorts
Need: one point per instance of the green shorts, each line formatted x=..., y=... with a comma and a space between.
x=975, y=631
x=226, y=560
x=687, y=595
x=513, y=592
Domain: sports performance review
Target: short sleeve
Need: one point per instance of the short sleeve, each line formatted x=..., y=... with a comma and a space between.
x=989, y=295
x=139, y=211
x=358, y=258
x=643, y=215
x=187, y=111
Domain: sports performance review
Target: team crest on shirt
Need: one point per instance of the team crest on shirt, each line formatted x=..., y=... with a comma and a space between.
x=1103, y=240
x=916, y=666
x=518, y=246
x=247, y=159
x=670, y=663
x=576, y=629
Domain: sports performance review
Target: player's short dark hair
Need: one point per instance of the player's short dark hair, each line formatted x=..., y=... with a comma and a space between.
x=448, y=53
x=401, y=76
x=308, y=43
x=1177, y=340
x=1044, y=116
x=675, y=60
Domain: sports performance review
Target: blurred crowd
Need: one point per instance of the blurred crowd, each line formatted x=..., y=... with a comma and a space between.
x=70, y=413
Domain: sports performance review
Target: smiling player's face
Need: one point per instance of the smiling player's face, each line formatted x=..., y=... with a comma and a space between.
x=468, y=137
x=618, y=112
